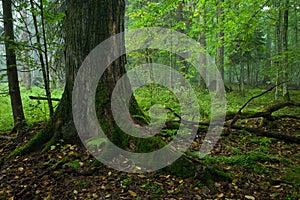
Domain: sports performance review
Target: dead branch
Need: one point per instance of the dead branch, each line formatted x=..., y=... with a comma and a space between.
x=259, y=132
x=236, y=117
x=265, y=114
x=43, y=98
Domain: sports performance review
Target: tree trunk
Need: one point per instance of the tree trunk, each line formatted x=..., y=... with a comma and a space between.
x=286, y=94
x=242, y=80
x=12, y=72
x=26, y=74
x=279, y=48
x=87, y=24
x=221, y=49
x=203, y=57
x=44, y=63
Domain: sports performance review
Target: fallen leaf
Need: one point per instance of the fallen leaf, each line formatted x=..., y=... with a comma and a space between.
x=132, y=193
x=21, y=169
x=221, y=195
x=249, y=197
x=276, y=186
x=218, y=184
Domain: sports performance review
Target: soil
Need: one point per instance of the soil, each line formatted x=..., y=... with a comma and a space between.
x=260, y=168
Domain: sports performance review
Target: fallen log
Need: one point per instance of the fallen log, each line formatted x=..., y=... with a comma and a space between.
x=43, y=98
x=237, y=115
x=260, y=132
x=267, y=113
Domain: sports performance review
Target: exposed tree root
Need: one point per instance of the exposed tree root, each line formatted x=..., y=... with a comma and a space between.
x=36, y=142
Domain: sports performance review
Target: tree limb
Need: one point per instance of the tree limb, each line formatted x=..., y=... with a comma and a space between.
x=236, y=117
x=43, y=98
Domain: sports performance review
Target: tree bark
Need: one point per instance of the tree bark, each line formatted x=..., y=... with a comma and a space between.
x=279, y=47
x=286, y=94
x=12, y=73
x=203, y=57
x=88, y=23
x=221, y=48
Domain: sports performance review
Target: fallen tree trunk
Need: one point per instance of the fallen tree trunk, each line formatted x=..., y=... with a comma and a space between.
x=260, y=132
x=267, y=113
x=43, y=98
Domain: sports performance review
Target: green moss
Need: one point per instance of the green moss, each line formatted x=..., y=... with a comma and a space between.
x=292, y=175
x=182, y=168
x=34, y=143
x=96, y=163
x=145, y=145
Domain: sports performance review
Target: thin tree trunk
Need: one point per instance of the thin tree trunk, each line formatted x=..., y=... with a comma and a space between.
x=286, y=95
x=203, y=57
x=297, y=43
x=221, y=49
x=248, y=74
x=279, y=48
x=12, y=72
x=242, y=80
x=44, y=66
x=26, y=74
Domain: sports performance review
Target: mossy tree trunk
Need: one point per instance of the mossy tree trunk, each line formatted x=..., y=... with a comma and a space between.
x=87, y=24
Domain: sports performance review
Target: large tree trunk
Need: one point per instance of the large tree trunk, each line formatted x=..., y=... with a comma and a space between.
x=12, y=73
x=87, y=24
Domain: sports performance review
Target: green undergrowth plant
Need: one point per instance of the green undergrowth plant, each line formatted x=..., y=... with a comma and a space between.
x=34, y=110
x=292, y=175
x=252, y=160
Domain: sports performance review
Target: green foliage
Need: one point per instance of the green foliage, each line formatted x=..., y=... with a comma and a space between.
x=182, y=168
x=96, y=142
x=292, y=175
x=73, y=164
x=83, y=183
x=34, y=110
x=253, y=160
x=153, y=188
x=145, y=145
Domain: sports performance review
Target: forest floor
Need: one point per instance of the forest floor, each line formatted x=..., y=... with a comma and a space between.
x=259, y=167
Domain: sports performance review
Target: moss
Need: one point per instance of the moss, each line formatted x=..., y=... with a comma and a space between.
x=96, y=163
x=145, y=145
x=292, y=175
x=211, y=174
x=207, y=174
x=34, y=143
x=182, y=168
